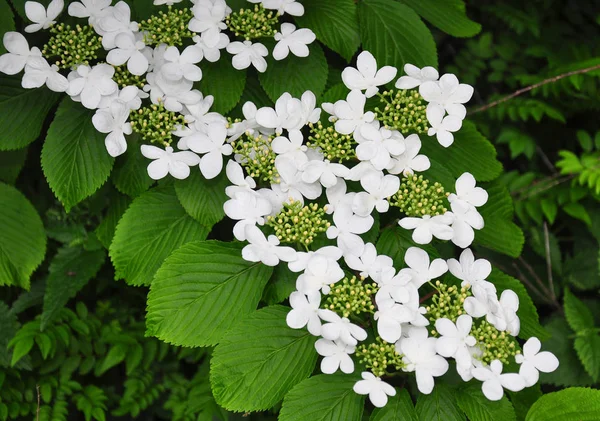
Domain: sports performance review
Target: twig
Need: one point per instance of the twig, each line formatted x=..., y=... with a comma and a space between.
x=546, y=160
x=427, y=297
x=526, y=281
x=535, y=85
x=548, y=295
x=549, y=261
x=37, y=417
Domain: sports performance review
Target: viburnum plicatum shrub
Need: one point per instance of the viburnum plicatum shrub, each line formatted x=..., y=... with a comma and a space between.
x=343, y=201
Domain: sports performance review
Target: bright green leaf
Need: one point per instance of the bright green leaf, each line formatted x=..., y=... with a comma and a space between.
x=439, y=405
x=130, y=175
x=447, y=15
x=574, y=404
x=580, y=318
x=398, y=408
x=588, y=351
x=224, y=83
x=479, y=408
x=203, y=199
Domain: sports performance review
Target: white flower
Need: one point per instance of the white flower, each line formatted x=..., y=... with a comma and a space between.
x=340, y=328
x=419, y=268
x=493, y=380
x=377, y=389
x=305, y=312
x=321, y=271
x=302, y=258
x=209, y=17
x=173, y=94
x=336, y=196
x=131, y=96
x=166, y=2
x=246, y=53
x=292, y=40
x=290, y=179
x=291, y=7
x=235, y=174
x=367, y=77
x=469, y=270
x=113, y=21
x=427, y=227
x=465, y=221
x=212, y=144
x=92, y=9
x=286, y=114
x=410, y=161
x=211, y=52
x=347, y=226
x=18, y=54
x=368, y=263
x=415, y=76
x=198, y=113
x=533, y=361
x=129, y=49
x=361, y=170
x=41, y=17
x=351, y=113
x=325, y=172
x=265, y=250
x=336, y=356
x=38, y=72
x=455, y=339
x=168, y=162
x=420, y=357
x=249, y=208
x=378, y=145
x=182, y=65
x=505, y=317
x=390, y=317
x=448, y=93
x=467, y=195
x=484, y=300
x=113, y=120
x=442, y=126
x=378, y=188
x=292, y=146
x=91, y=84
x=310, y=112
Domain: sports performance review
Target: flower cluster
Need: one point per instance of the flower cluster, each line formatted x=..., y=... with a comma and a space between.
x=140, y=77
x=467, y=323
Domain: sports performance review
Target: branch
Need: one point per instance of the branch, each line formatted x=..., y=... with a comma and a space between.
x=536, y=85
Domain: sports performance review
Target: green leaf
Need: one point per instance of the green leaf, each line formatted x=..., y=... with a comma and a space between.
x=23, y=240
x=106, y=230
x=447, y=15
x=479, y=408
x=116, y=355
x=281, y=285
x=578, y=316
x=22, y=112
x=394, y=241
x=70, y=270
x=398, y=408
x=296, y=75
x=259, y=359
x=130, y=175
x=11, y=164
x=530, y=325
x=574, y=404
x=323, y=398
x=523, y=399
x=588, y=351
x=201, y=290
x=139, y=248
x=335, y=23
x=203, y=199
x=7, y=21
x=395, y=34
x=8, y=328
x=577, y=211
x=74, y=158
x=21, y=349
x=224, y=83
x=439, y=405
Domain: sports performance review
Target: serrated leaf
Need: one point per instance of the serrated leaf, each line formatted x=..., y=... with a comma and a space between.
x=578, y=316
x=523, y=399
x=203, y=199
x=280, y=286
x=7, y=21
x=259, y=360
x=106, y=230
x=8, y=328
x=22, y=112
x=23, y=240
x=398, y=408
x=479, y=408
x=116, y=355
x=335, y=23
x=74, y=158
x=70, y=270
x=323, y=398
x=394, y=241
x=395, y=34
x=130, y=175
x=588, y=351
x=201, y=290
x=296, y=74
x=139, y=248
x=11, y=164
x=21, y=348
x=573, y=404
x=439, y=405
x=223, y=82
x=447, y=15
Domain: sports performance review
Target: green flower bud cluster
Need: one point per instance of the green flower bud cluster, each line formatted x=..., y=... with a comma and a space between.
x=351, y=296
x=258, y=157
x=494, y=344
x=72, y=46
x=253, y=23
x=403, y=110
x=299, y=224
x=417, y=197
x=448, y=303
x=169, y=28
x=124, y=78
x=155, y=124
x=378, y=356
x=335, y=146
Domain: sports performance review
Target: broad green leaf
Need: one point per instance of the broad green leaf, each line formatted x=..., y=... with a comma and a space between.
x=447, y=15
x=139, y=248
x=394, y=241
x=280, y=286
x=130, y=175
x=22, y=238
x=395, y=34
x=581, y=269
x=523, y=399
x=580, y=318
x=254, y=93
x=335, y=93
x=296, y=75
x=438, y=172
x=70, y=270
x=530, y=325
x=116, y=355
x=201, y=290
x=259, y=360
x=588, y=351
x=106, y=230
x=398, y=408
x=22, y=112
x=74, y=158
x=479, y=408
x=573, y=404
x=323, y=398
x=8, y=328
x=201, y=198
x=335, y=23
x=224, y=83
x=11, y=164
x=439, y=405
x=7, y=21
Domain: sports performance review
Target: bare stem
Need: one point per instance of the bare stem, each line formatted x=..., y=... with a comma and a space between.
x=549, y=261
